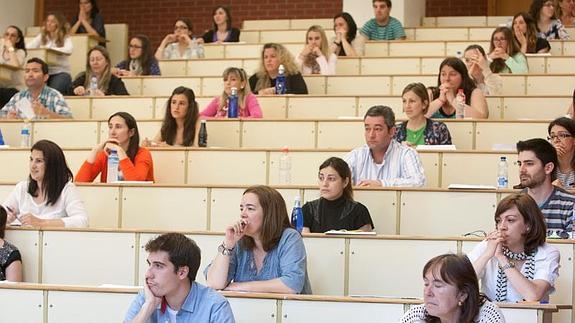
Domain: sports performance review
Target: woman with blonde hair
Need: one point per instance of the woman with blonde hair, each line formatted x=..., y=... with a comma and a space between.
x=248, y=105
x=316, y=57
x=98, y=66
x=54, y=35
x=264, y=80
x=565, y=11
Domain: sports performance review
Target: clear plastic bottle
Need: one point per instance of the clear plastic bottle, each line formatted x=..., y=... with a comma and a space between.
x=203, y=134
x=113, y=162
x=502, y=178
x=281, y=81
x=93, y=85
x=1, y=138
x=25, y=134
x=233, y=104
x=460, y=104
x=285, y=167
x=297, y=215
x=200, y=50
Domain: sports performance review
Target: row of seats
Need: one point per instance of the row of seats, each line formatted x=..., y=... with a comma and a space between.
x=424, y=33
x=213, y=207
x=415, y=65
x=296, y=134
x=336, y=265
x=354, y=85
x=64, y=303
x=316, y=106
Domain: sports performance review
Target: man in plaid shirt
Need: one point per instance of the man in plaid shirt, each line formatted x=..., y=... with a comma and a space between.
x=43, y=101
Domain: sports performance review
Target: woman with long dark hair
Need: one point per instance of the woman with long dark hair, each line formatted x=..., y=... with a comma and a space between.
x=222, y=30
x=345, y=42
x=451, y=294
x=135, y=162
x=548, y=26
x=48, y=197
x=10, y=258
x=335, y=209
x=89, y=20
x=181, y=123
x=453, y=75
x=505, y=54
x=140, y=61
x=525, y=33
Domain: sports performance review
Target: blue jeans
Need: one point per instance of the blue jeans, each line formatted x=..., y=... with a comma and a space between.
x=61, y=82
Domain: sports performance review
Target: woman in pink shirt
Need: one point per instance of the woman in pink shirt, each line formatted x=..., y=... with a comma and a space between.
x=248, y=106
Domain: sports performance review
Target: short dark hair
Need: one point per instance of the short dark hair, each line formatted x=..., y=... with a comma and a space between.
x=342, y=169
x=182, y=251
x=3, y=219
x=187, y=22
x=532, y=216
x=39, y=61
x=543, y=150
x=382, y=111
x=387, y=2
x=457, y=270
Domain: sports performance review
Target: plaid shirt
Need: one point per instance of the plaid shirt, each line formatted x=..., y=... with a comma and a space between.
x=50, y=98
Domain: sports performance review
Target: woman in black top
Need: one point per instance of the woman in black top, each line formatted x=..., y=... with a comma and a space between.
x=10, y=258
x=335, y=209
x=222, y=30
x=264, y=80
x=98, y=66
x=89, y=21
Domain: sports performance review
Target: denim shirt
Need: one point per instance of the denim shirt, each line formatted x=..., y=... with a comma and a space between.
x=287, y=261
x=202, y=304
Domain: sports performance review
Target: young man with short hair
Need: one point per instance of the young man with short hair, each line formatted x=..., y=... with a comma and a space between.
x=537, y=160
x=382, y=26
x=171, y=293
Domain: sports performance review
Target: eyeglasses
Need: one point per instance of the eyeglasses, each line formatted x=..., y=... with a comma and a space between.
x=560, y=136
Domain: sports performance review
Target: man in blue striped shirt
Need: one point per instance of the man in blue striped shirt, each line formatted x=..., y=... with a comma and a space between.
x=537, y=160
x=383, y=161
x=383, y=26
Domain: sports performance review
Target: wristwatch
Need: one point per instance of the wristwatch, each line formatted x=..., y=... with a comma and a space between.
x=510, y=264
x=225, y=251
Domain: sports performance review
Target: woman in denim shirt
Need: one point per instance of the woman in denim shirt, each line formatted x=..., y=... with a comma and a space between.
x=261, y=252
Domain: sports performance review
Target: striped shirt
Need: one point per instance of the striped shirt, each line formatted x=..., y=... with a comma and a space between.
x=558, y=211
x=50, y=98
x=567, y=179
x=373, y=31
x=401, y=166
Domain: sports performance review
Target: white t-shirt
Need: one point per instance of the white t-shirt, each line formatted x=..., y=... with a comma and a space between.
x=63, y=61
x=69, y=207
x=546, y=268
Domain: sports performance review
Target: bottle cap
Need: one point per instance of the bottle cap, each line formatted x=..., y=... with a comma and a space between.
x=285, y=149
x=297, y=198
x=234, y=90
x=503, y=158
x=203, y=121
x=281, y=68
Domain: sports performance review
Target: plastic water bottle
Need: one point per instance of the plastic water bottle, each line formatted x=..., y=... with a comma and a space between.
x=285, y=167
x=460, y=104
x=233, y=104
x=113, y=162
x=297, y=215
x=25, y=138
x=93, y=85
x=1, y=138
x=203, y=134
x=200, y=50
x=502, y=179
x=281, y=81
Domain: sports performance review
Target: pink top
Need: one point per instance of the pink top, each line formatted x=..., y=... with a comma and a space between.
x=251, y=110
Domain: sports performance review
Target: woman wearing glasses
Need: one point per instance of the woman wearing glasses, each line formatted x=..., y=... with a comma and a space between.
x=140, y=59
x=179, y=44
x=561, y=131
x=548, y=26
x=335, y=209
x=505, y=54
